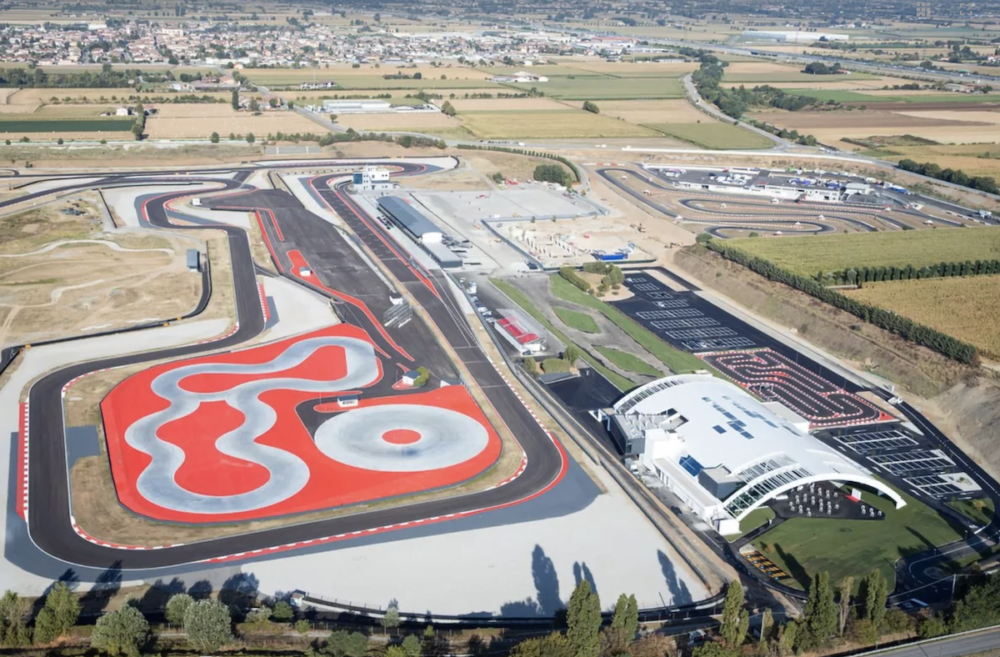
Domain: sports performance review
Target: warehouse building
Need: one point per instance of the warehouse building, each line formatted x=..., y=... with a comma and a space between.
x=419, y=228
x=722, y=452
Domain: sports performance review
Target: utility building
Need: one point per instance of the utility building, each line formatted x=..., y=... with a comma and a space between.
x=419, y=228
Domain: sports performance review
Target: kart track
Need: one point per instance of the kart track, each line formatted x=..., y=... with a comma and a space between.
x=758, y=215
x=46, y=505
x=771, y=376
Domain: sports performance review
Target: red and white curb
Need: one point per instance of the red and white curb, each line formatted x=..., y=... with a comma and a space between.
x=115, y=546
x=263, y=302
x=236, y=327
x=22, y=464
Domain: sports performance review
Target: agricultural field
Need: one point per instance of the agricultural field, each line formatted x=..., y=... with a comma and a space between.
x=772, y=73
x=808, y=255
x=966, y=308
x=464, y=105
x=601, y=87
x=548, y=125
x=876, y=96
x=645, y=112
x=199, y=121
x=946, y=126
x=372, y=78
x=714, y=135
x=415, y=122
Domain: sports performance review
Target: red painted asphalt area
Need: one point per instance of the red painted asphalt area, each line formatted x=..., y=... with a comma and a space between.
x=299, y=262
x=21, y=504
x=361, y=216
x=207, y=471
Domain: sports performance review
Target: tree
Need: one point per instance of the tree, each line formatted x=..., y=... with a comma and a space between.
x=626, y=616
x=390, y=620
x=788, y=636
x=214, y=138
x=553, y=645
x=820, y=613
x=250, y=138
x=874, y=593
x=766, y=623
x=60, y=613
x=591, y=107
x=571, y=353
x=713, y=649
x=346, y=644
x=448, y=109
x=845, y=604
x=283, y=612
x=208, y=625
x=411, y=646
x=395, y=651
x=13, y=610
x=583, y=620
x=235, y=101
x=177, y=607
x=735, y=619
x=120, y=632
x=552, y=173
x=254, y=106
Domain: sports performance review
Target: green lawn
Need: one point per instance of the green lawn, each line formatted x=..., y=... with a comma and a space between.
x=579, y=321
x=805, y=546
x=603, y=87
x=520, y=299
x=627, y=361
x=754, y=519
x=809, y=255
x=716, y=136
x=979, y=510
x=678, y=361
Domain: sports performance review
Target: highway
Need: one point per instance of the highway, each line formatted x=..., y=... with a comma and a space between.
x=49, y=519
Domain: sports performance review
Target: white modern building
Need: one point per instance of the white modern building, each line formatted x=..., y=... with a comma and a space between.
x=792, y=36
x=722, y=452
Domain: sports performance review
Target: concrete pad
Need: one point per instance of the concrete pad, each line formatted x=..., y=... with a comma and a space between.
x=522, y=569
x=298, y=310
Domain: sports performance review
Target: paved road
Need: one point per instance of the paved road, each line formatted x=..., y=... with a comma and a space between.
x=966, y=644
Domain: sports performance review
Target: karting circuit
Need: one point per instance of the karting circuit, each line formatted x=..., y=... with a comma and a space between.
x=771, y=376
x=217, y=438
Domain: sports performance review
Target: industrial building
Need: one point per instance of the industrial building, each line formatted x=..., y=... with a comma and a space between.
x=722, y=452
x=419, y=228
x=792, y=36
x=356, y=106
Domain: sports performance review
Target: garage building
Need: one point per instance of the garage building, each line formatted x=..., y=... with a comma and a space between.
x=419, y=228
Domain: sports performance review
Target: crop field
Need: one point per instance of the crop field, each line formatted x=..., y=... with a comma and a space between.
x=200, y=126
x=639, y=69
x=643, y=112
x=16, y=125
x=549, y=124
x=713, y=135
x=966, y=308
x=808, y=255
x=370, y=78
x=771, y=73
x=599, y=87
x=464, y=105
x=951, y=126
x=415, y=122
x=880, y=96
x=28, y=99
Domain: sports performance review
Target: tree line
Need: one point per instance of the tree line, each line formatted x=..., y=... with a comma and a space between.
x=923, y=335
x=735, y=101
x=955, y=176
x=861, y=275
x=38, y=78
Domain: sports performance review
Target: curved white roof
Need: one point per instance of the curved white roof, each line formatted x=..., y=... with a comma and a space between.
x=700, y=422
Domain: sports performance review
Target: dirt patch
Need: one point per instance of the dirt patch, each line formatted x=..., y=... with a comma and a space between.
x=645, y=112
x=414, y=122
x=205, y=119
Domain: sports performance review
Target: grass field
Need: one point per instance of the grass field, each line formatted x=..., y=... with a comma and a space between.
x=808, y=255
x=548, y=124
x=966, y=308
x=21, y=125
x=626, y=361
x=677, y=361
x=579, y=321
x=521, y=300
x=805, y=546
x=713, y=135
x=643, y=112
x=754, y=519
x=600, y=87
x=979, y=510
x=791, y=75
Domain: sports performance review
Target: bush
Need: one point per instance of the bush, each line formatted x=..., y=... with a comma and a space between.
x=570, y=275
x=553, y=173
x=591, y=107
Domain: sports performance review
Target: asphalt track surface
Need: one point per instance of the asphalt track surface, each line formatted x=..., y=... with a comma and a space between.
x=789, y=222
x=49, y=518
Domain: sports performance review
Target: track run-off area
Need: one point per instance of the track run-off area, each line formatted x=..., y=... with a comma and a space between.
x=260, y=461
